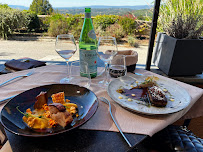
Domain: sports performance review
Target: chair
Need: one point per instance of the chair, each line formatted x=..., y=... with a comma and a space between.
x=173, y=139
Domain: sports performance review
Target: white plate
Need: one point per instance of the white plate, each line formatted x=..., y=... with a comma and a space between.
x=181, y=97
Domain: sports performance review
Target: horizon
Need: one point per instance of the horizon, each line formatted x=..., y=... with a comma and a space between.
x=81, y=3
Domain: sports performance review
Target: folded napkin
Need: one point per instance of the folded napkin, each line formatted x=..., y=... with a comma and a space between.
x=23, y=64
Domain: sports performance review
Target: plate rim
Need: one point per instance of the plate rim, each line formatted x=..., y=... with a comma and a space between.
x=49, y=134
x=141, y=112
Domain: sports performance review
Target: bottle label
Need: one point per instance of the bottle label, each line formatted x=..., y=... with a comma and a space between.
x=92, y=34
x=90, y=57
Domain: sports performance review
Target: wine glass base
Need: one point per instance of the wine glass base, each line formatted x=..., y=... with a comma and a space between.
x=65, y=80
x=77, y=80
x=103, y=84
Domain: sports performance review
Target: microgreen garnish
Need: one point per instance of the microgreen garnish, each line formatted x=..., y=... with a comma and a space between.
x=25, y=114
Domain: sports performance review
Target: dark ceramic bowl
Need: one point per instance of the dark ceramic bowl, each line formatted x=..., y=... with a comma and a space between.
x=11, y=118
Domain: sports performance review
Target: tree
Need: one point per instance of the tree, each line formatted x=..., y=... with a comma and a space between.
x=41, y=7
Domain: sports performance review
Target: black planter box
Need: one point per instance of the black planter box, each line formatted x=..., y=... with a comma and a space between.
x=178, y=57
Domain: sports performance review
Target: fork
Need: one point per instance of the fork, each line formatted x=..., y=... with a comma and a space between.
x=107, y=102
x=26, y=75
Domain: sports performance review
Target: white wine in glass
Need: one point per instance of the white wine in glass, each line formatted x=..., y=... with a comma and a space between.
x=66, y=47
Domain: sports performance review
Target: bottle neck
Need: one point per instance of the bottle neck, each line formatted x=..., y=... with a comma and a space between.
x=87, y=15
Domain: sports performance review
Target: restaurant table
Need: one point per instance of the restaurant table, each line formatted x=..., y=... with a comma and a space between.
x=83, y=139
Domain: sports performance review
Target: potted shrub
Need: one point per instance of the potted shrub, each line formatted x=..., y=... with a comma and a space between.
x=179, y=50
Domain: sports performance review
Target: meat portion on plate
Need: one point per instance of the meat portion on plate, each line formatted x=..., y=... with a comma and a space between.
x=59, y=114
x=42, y=99
x=157, y=96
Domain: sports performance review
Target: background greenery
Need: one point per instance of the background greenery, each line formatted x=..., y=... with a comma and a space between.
x=14, y=20
x=182, y=19
x=41, y=7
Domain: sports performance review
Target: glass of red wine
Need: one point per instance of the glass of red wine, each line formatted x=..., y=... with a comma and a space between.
x=117, y=67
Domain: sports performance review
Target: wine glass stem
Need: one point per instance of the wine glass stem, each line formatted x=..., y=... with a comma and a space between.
x=68, y=75
x=106, y=73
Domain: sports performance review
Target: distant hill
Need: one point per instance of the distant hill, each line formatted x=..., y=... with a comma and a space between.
x=100, y=9
x=19, y=7
x=137, y=7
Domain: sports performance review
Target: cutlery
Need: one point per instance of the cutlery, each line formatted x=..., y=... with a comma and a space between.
x=107, y=102
x=26, y=75
x=7, y=99
x=138, y=73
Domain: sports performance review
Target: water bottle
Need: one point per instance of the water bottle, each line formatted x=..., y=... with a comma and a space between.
x=88, y=45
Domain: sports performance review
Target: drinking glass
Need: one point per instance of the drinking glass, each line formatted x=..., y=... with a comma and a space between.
x=75, y=74
x=66, y=47
x=107, y=49
x=117, y=67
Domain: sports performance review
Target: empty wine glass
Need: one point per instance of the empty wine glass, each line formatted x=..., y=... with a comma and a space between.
x=107, y=49
x=75, y=74
x=66, y=47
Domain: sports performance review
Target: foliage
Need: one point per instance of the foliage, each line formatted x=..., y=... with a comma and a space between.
x=58, y=25
x=116, y=31
x=2, y=6
x=133, y=41
x=64, y=24
x=75, y=23
x=41, y=7
x=129, y=25
x=181, y=19
x=143, y=14
x=11, y=19
x=104, y=21
x=32, y=21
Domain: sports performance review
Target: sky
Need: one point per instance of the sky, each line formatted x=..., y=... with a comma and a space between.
x=72, y=3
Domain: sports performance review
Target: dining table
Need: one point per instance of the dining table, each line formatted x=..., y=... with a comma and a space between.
x=99, y=133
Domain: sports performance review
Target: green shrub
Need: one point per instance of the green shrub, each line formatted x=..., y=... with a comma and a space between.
x=75, y=23
x=181, y=19
x=133, y=41
x=58, y=25
x=32, y=21
x=99, y=32
x=129, y=25
x=11, y=19
x=103, y=21
x=116, y=31
x=64, y=24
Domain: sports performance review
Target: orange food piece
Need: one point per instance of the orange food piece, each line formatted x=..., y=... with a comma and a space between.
x=67, y=100
x=45, y=107
x=58, y=97
x=52, y=122
x=29, y=111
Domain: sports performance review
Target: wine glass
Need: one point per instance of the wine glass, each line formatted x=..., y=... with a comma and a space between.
x=107, y=49
x=117, y=67
x=66, y=47
x=75, y=74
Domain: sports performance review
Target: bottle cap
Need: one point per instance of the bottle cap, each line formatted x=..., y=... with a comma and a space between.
x=87, y=10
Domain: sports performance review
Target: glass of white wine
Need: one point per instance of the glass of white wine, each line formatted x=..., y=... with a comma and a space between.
x=107, y=49
x=66, y=47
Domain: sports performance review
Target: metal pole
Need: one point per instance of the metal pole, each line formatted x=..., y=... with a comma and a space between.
x=153, y=33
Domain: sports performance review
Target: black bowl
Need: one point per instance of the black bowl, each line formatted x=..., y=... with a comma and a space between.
x=11, y=118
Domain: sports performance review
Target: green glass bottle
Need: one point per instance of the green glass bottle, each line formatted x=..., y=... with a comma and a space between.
x=88, y=45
